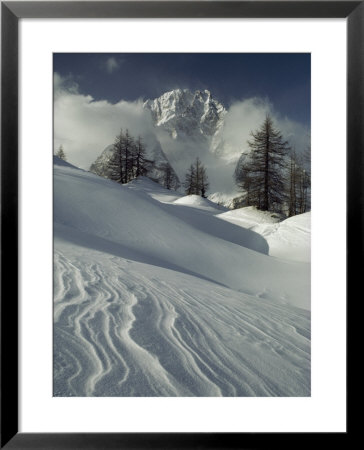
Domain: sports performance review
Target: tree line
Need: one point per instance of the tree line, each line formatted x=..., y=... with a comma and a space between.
x=271, y=176
x=128, y=159
x=196, y=181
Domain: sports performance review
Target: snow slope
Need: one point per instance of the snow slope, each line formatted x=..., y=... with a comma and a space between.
x=155, y=296
x=289, y=239
x=196, y=201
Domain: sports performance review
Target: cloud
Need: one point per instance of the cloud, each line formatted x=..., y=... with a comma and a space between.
x=61, y=84
x=112, y=64
x=247, y=115
x=85, y=127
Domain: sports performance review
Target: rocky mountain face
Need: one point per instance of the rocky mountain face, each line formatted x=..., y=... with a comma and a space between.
x=187, y=116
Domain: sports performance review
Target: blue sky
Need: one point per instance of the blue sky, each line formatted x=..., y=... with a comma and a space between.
x=282, y=78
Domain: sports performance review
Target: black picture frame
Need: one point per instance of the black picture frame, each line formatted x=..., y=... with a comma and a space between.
x=11, y=12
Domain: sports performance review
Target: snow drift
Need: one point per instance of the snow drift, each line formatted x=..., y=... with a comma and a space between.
x=156, y=295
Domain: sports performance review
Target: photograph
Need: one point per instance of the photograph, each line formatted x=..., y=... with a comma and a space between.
x=182, y=224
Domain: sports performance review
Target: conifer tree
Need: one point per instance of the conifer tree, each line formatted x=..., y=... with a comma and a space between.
x=263, y=175
x=293, y=176
x=140, y=162
x=61, y=154
x=196, y=181
x=128, y=159
x=190, y=186
x=128, y=150
x=243, y=180
x=203, y=182
x=168, y=177
x=299, y=185
x=116, y=161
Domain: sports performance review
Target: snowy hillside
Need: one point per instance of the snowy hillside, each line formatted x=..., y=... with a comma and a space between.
x=157, y=294
x=289, y=239
x=226, y=200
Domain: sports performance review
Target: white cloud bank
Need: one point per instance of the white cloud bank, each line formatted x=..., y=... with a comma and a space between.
x=247, y=115
x=85, y=127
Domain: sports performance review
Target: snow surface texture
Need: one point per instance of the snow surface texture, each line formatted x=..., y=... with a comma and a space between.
x=156, y=294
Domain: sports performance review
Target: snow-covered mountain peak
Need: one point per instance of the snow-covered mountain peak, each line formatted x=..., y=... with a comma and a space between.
x=183, y=113
x=168, y=105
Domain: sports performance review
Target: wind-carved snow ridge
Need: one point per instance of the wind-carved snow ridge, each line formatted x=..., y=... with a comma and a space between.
x=132, y=334
x=156, y=295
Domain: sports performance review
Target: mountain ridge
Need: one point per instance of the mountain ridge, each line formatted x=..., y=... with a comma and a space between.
x=182, y=113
